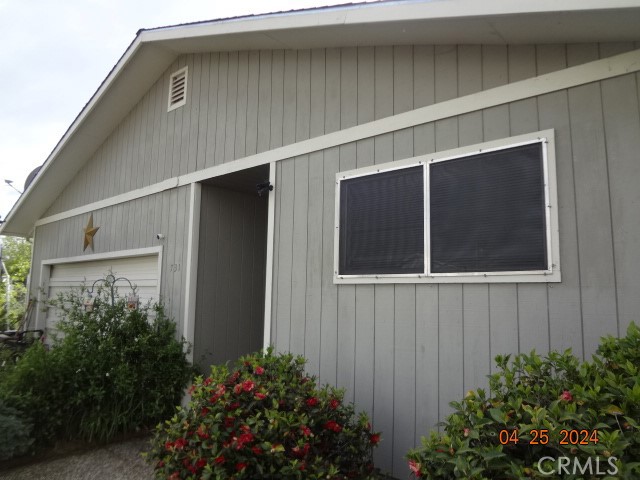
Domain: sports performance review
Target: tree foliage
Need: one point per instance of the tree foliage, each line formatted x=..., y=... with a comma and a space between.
x=16, y=258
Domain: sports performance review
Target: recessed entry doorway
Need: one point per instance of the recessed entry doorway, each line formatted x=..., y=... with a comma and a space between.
x=232, y=250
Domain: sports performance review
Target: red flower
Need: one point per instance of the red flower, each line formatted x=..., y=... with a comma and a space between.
x=242, y=439
x=333, y=404
x=202, y=433
x=180, y=443
x=258, y=370
x=260, y=396
x=204, y=411
x=256, y=450
x=191, y=389
x=306, y=431
x=160, y=464
x=232, y=406
x=374, y=438
x=566, y=396
x=174, y=476
x=241, y=466
x=368, y=427
x=415, y=468
x=245, y=428
x=237, y=389
x=248, y=385
x=332, y=425
x=302, y=467
x=312, y=402
x=219, y=460
x=168, y=445
x=207, y=381
x=228, y=422
x=201, y=463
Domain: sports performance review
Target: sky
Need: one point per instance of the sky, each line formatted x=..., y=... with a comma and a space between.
x=55, y=54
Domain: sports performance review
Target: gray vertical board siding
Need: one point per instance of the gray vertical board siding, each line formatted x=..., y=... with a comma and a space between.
x=203, y=111
x=285, y=255
x=582, y=53
x=236, y=100
x=533, y=310
x=264, y=101
x=290, y=97
x=364, y=355
x=346, y=293
x=299, y=254
x=230, y=290
x=251, y=140
x=622, y=130
x=313, y=294
x=550, y=58
x=276, y=112
x=221, y=110
x=212, y=109
x=232, y=102
x=241, y=106
x=276, y=256
x=597, y=267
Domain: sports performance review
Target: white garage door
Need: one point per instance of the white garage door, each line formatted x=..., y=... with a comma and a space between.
x=142, y=271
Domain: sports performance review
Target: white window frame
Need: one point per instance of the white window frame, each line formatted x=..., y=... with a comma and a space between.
x=551, y=274
x=174, y=75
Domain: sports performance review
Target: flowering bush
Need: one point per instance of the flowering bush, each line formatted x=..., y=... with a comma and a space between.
x=114, y=371
x=542, y=409
x=265, y=418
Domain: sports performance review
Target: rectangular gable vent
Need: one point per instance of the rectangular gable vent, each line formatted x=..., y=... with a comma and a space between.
x=178, y=89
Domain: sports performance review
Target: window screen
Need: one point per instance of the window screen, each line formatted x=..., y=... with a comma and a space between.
x=382, y=223
x=487, y=212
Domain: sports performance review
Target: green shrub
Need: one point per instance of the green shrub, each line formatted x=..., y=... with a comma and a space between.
x=264, y=419
x=113, y=370
x=15, y=434
x=545, y=407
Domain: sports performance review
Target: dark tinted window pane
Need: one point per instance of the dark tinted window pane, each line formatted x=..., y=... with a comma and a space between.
x=487, y=212
x=382, y=223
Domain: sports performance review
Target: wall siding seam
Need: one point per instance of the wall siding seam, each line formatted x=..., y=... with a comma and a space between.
x=598, y=70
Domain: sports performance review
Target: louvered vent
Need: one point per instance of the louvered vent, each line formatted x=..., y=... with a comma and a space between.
x=178, y=89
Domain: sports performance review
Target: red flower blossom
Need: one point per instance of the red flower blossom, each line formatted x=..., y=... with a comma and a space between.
x=237, y=389
x=248, y=385
x=256, y=450
x=174, y=476
x=566, y=396
x=241, y=466
x=232, y=406
x=168, y=445
x=333, y=404
x=302, y=467
x=306, y=431
x=258, y=370
x=368, y=427
x=191, y=389
x=202, y=433
x=160, y=464
x=466, y=432
x=312, y=402
x=204, y=411
x=207, y=381
x=245, y=428
x=260, y=396
x=243, y=439
x=228, y=422
x=219, y=460
x=415, y=468
x=333, y=425
x=180, y=443
x=201, y=463
x=374, y=438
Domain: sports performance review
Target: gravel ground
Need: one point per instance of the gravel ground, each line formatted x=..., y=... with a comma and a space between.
x=118, y=461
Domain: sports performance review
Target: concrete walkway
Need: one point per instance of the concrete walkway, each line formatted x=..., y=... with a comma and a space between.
x=118, y=461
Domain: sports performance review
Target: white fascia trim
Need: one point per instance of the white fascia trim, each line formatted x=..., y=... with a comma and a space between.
x=268, y=284
x=568, y=78
x=373, y=13
x=191, y=274
x=547, y=137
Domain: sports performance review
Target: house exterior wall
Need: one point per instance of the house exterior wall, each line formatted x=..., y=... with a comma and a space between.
x=231, y=275
x=404, y=351
x=127, y=226
x=241, y=103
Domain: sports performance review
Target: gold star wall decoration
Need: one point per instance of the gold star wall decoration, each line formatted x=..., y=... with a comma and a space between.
x=89, y=232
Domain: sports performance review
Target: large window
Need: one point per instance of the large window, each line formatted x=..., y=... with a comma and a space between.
x=483, y=213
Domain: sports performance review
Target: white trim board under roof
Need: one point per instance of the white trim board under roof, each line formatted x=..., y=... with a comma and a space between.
x=381, y=23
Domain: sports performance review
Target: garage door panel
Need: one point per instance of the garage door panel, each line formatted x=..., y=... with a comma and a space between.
x=141, y=271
